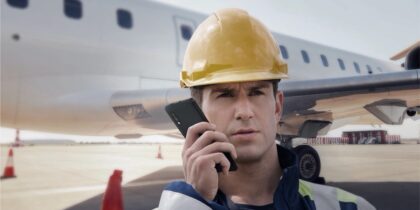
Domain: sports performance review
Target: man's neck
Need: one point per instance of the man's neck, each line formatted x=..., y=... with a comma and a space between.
x=253, y=183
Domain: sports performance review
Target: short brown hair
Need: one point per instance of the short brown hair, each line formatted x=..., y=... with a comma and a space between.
x=197, y=92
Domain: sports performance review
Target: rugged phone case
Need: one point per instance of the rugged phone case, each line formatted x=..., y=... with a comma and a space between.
x=186, y=113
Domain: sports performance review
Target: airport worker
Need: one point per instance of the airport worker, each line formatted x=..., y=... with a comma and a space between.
x=232, y=67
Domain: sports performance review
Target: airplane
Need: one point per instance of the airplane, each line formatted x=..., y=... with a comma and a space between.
x=108, y=68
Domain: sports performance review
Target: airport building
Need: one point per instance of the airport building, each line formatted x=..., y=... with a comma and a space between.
x=359, y=137
x=371, y=137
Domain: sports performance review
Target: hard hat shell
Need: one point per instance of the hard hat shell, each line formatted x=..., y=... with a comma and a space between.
x=231, y=46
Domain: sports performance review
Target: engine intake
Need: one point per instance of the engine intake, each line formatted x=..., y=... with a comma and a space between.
x=412, y=60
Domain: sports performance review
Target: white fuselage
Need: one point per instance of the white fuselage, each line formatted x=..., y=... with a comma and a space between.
x=59, y=73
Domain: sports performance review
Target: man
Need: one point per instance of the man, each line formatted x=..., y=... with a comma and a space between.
x=232, y=68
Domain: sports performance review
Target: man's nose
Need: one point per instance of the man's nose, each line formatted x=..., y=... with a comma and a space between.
x=243, y=109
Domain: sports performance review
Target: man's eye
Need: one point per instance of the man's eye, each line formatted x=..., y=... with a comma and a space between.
x=256, y=93
x=223, y=95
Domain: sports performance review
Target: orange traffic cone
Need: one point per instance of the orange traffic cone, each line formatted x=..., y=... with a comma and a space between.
x=159, y=154
x=112, y=199
x=9, y=171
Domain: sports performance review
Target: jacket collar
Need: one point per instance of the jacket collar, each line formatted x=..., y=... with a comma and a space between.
x=287, y=192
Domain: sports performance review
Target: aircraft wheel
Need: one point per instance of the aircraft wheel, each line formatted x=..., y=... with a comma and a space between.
x=308, y=162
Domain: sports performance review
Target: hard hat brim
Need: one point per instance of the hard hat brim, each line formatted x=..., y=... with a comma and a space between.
x=237, y=76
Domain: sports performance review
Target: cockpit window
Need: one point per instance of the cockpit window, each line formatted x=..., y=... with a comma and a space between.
x=21, y=4
x=124, y=19
x=73, y=9
x=186, y=32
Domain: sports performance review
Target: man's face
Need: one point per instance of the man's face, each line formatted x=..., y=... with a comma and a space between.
x=247, y=113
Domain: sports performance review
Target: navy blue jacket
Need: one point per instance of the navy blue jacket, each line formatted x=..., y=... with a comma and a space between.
x=291, y=193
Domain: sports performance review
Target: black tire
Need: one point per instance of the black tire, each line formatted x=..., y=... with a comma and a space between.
x=309, y=163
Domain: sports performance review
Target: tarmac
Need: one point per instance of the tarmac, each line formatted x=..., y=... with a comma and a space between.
x=75, y=176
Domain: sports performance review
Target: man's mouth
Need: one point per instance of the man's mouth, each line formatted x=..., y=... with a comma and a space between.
x=244, y=131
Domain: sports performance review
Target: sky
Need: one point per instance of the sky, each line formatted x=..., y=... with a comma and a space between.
x=375, y=28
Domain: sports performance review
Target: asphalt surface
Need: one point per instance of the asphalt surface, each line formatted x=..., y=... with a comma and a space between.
x=76, y=176
x=144, y=193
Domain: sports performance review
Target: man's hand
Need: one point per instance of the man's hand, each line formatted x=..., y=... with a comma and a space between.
x=203, y=149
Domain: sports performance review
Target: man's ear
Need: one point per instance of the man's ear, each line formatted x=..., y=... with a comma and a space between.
x=279, y=105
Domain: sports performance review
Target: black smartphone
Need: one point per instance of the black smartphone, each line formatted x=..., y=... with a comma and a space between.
x=186, y=113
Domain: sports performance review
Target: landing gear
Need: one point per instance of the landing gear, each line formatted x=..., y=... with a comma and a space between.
x=411, y=112
x=309, y=163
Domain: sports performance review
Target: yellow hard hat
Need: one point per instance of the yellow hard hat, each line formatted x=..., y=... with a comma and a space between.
x=231, y=46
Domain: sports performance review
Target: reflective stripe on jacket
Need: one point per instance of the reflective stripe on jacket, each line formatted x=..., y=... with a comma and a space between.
x=291, y=193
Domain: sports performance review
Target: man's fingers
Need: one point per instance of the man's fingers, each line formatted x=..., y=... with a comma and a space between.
x=195, y=131
x=202, y=145
x=207, y=138
x=218, y=147
x=215, y=148
x=208, y=162
x=204, y=140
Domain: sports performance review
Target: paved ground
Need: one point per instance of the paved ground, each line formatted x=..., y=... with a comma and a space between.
x=74, y=177
x=57, y=177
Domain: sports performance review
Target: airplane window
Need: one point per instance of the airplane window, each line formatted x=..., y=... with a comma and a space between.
x=124, y=19
x=186, y=32
x=73, y=8
x=324, y=60
x=369, y=69
x=18, y=3
x=356, y=66
x=341, y=64
x=284, y=52
x=305, y=56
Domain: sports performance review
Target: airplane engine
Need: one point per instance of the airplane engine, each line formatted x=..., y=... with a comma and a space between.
x=412, y=61
x=145, y=108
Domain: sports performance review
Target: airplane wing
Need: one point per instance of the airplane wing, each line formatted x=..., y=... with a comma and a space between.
x=312, y=105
